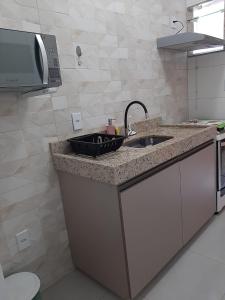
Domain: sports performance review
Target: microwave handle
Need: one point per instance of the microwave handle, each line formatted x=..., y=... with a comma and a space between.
x=44, y=58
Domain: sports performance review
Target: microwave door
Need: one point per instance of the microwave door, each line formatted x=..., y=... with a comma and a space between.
x=19, y=66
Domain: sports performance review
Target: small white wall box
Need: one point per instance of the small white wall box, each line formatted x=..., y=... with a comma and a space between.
x=23, y=240
x=76, y=120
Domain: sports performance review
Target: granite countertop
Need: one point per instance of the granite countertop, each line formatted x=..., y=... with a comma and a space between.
x=118, y=167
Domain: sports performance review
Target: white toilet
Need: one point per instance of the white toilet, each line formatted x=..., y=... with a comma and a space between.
x=20, y=286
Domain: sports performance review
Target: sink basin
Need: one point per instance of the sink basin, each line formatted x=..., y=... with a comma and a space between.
x=148, y=141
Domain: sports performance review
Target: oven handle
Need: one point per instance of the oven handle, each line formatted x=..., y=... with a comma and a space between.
x=44, y=58
x=219, y=163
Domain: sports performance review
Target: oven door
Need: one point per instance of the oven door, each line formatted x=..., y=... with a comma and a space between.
x=221, y=166
x=23, y=60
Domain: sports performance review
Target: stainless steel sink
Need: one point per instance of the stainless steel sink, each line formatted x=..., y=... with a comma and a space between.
x=148, y=141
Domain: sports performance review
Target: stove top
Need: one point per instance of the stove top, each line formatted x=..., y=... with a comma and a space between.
x=205, y=122
x=220, y=125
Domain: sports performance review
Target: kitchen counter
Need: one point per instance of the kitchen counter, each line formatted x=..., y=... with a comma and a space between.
x=119, y=167
x=134, y=209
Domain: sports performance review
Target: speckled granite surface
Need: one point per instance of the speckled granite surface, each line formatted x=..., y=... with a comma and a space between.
x=118, y=167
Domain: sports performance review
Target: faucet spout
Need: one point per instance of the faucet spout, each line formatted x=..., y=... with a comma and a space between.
x=126, y=114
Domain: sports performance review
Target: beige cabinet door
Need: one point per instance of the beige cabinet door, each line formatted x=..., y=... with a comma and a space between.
x=151, y=212
x=198, y=190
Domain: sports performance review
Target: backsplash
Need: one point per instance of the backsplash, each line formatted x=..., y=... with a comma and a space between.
x=120, y=63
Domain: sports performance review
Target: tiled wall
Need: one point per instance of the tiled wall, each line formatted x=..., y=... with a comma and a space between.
x=120, y=62
x=207, y=86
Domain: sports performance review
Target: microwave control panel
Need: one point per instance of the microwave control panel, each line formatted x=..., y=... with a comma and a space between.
x=53, y=60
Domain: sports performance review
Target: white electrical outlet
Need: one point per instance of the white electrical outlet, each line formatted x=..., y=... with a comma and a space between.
x=23, y=240
x=76, y=120
x=173, y=25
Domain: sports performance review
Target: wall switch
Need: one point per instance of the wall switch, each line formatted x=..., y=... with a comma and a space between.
x=76, y=120
x=23, y=240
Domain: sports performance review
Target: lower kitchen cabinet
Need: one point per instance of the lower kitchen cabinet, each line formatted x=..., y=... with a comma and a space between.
x=198, y=190
x=122, y=236
x=151, y=213
x=163, y=212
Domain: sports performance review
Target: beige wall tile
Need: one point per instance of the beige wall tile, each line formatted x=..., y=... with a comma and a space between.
x=12, y=146
x=56, y=5
x=59, y=102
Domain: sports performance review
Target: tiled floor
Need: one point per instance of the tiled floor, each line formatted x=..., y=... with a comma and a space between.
x=197, y=274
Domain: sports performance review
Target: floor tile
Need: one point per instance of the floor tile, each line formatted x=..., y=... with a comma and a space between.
x=198, y=273
x=77, y=286
x=211, y=241
x=192, y=277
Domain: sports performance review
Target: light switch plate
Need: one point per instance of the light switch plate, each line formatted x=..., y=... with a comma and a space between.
x=23, y=240
x=76, y=120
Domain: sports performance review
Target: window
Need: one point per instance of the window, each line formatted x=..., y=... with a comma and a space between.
x=208, y=18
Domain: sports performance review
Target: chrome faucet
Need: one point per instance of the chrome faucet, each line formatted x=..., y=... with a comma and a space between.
x=128, y=129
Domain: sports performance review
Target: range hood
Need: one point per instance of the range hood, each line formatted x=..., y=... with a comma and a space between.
x=189, y=41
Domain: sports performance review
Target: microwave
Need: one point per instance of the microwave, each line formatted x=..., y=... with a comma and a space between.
x=28, y=61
